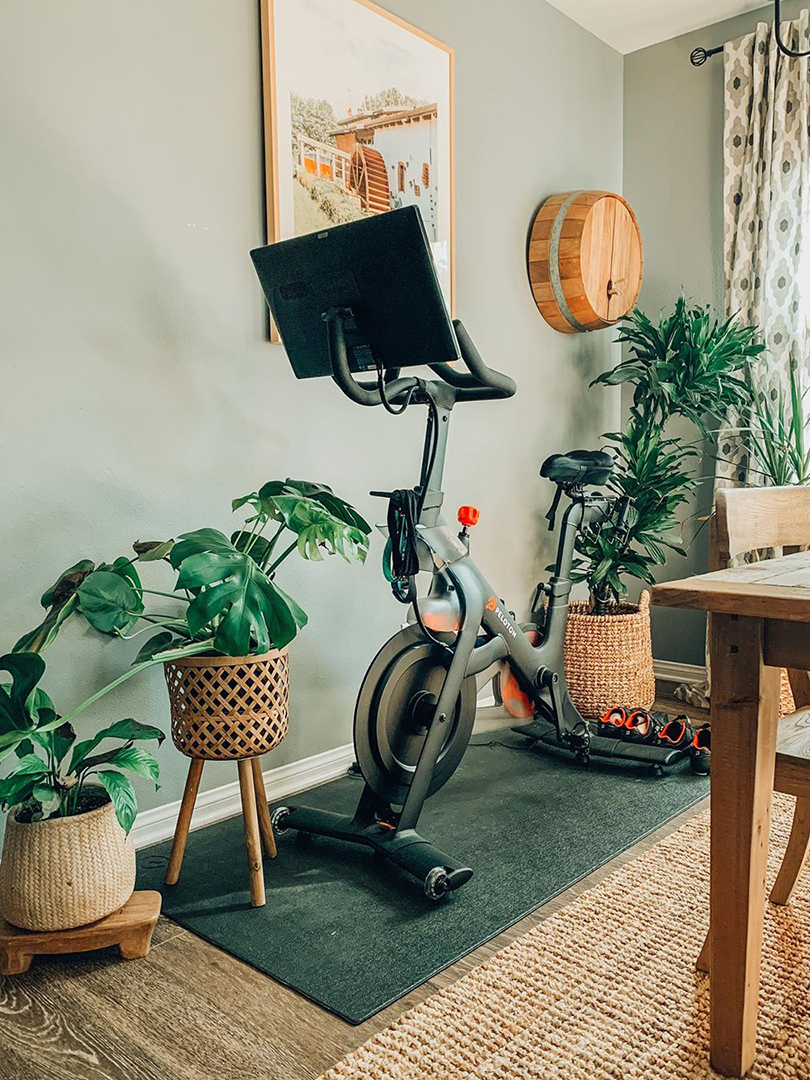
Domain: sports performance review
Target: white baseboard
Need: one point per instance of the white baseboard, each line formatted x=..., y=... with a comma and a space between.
x=153, y=826
x=672, y=671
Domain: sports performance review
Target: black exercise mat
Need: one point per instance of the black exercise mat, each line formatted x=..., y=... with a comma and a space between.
x=353, y=933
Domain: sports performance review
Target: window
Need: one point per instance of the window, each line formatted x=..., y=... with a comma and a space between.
x=401, y=176
x=426, y=175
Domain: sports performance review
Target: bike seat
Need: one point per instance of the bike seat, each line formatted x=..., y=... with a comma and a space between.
x=578, y=467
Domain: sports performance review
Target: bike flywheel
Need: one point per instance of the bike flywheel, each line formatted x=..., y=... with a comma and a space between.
x=394, y=709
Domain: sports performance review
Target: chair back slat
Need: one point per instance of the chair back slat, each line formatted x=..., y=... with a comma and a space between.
x=749, y=519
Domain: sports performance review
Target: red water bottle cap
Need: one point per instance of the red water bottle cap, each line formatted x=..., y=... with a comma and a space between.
x=468, y=515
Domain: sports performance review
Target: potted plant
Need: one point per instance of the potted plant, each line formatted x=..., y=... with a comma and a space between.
x=224, y=643
x=67, y=856
x=693, y=366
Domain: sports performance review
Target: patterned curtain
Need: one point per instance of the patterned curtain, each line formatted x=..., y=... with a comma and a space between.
x=767, y=208
x=766, y=202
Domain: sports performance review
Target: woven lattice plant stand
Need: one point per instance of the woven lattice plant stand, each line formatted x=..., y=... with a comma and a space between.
x=608, y=658
x=227, y=708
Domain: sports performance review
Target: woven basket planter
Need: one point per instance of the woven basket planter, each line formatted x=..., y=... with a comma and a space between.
x=608, y=658
x=65, y=872
x=228, y=707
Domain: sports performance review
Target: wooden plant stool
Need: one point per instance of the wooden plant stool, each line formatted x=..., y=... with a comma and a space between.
x=130, y=928
x=229, y=709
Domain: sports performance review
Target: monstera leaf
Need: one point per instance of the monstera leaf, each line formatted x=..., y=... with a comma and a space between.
x=319, y=493
x=318, y=529
x=234, y=600
x=265, y=502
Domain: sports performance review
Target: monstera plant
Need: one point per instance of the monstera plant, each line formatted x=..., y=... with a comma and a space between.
x=225, y=597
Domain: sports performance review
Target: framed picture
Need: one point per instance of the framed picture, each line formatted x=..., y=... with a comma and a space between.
x=358, y=109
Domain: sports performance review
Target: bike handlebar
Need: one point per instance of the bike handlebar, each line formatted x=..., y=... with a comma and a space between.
x=481, y=384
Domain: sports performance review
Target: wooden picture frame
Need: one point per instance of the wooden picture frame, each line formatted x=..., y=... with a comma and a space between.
x=381, y=147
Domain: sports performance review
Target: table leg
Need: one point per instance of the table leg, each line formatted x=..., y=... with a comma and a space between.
x=745, y=697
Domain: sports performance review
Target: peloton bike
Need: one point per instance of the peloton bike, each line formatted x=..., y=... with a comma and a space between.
x=365, y=297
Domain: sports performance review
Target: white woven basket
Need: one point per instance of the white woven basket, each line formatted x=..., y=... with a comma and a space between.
x=65, y=872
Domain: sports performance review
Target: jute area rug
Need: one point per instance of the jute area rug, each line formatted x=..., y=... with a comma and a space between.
x=607, y=986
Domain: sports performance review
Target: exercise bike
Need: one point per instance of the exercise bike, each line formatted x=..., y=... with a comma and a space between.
x=416, y=706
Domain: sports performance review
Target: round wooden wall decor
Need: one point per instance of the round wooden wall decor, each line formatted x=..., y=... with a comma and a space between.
x=585, y=260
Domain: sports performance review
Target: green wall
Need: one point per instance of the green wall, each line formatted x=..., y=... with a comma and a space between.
x=673, y=177
x=138, y=395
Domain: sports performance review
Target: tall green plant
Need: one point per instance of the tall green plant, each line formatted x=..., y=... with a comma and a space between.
x=690, y=365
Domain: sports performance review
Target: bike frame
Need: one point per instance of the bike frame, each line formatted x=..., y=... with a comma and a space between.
x=540, y=668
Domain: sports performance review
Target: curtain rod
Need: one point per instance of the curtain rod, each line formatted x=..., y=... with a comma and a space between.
x=699, y=56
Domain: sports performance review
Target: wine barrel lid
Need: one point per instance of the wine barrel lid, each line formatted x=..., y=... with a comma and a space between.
x=585, y=260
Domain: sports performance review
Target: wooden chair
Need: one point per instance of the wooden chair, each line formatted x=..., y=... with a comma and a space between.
x=750, y=520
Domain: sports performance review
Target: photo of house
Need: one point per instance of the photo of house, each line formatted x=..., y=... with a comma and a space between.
x=364, y=104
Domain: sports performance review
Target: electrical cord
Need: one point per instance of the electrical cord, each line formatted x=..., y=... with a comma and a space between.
x=384, y=393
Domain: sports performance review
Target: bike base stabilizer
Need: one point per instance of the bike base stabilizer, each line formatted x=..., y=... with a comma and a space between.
x=438, y=872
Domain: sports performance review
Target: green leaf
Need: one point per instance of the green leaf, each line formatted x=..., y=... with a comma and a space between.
x=122, y=795
x=128, y=730
x=43, y=635
x=237, y=603
x=124, y=568
x=66, y=584
x=18, y=787
x=109, y=602
x=260, y=548
x=26, y=670
x=153, y=550
x=60, y=740
x=318, y=529
x=135, y=760
x=29, y=765
x=154, y=645
x=201, y=540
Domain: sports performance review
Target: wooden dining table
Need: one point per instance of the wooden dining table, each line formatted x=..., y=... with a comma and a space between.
x=760, y=623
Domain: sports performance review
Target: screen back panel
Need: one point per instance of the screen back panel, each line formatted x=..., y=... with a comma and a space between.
x=380, y=267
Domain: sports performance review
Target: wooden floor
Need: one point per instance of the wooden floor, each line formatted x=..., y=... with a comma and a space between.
x=190, y=1011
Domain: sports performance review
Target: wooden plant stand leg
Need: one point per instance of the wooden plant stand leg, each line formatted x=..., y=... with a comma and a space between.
x=745, y=705
x=251, y=822
x=265, y=824
x=795, y=855
x=184, y=820
x=130, y=928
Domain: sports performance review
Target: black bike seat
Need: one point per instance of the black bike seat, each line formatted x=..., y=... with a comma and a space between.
x=578, y=467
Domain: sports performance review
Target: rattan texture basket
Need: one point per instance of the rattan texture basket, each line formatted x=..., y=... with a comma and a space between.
x=608, y=658
x=225, y=708
x=65, y=872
